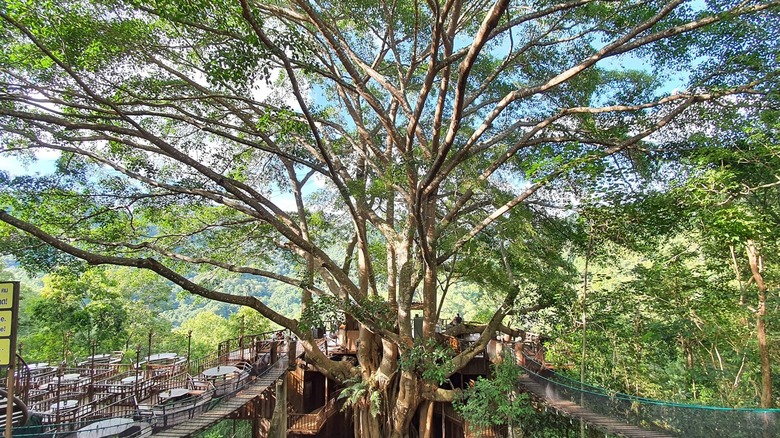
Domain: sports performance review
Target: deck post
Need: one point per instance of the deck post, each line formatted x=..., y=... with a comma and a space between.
x=278, y=428
x=274, y=352
x=256, y=418
x=292, y=348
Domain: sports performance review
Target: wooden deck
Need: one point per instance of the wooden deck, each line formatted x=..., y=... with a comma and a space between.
x=573, y=410
x=228, y=406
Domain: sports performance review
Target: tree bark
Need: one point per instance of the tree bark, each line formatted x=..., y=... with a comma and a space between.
x=756, y=266
x=426, y=419
x=406, y=404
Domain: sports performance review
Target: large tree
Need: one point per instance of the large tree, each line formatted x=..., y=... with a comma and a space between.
x=193, y=135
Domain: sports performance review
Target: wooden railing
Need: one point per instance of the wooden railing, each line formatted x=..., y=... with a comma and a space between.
x=311, y=423
x=20, y=413
x=244, y=347
x=174, y=413
x=67, y=420
x=447, y=411
x=295, y=383
x=66, y=404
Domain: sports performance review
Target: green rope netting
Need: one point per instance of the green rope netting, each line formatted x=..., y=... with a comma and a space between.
x=687, y=420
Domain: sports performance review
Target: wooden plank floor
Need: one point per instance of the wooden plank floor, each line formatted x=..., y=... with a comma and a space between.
x=226, y=407
x=573, y=410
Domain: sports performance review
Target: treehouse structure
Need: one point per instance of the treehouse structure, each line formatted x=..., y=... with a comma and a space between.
x=167, y=395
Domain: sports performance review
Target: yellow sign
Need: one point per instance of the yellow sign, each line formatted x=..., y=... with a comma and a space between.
x=5, y=351
x=9, y=295
x=6, y=295
x=6, y=317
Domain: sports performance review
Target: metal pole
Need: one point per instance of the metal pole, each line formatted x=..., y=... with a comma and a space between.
x=584, y=323
x=189, y=349
x=59, y=383
x=241, y=338
x=18, y=381
x=22, y=378
x=67, y=348
x=9, y=409
x=92, y=372
x=137, y=367
x=11, y=375
x=149, y=351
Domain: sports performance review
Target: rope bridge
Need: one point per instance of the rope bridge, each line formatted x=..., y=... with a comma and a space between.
x=632, y=416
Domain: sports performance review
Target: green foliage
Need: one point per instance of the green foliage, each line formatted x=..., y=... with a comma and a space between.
x=648, y=315
x=321, y=312
x=326, y=311
x=116, y=311
x=429, y=359
x=497, y=400
x=375, y=309
x=247, y=321
x=670, y=304
x=470, y=301
x=189, y=133
x=70, y=314
x=228, y=428
x=208, y=330
x=209, y=326
x=359, y=393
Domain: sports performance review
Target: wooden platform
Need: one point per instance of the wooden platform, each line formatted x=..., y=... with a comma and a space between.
x=573, y=410
x=227, y=407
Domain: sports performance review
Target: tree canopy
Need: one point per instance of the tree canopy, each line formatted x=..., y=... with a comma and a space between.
x=384, y=149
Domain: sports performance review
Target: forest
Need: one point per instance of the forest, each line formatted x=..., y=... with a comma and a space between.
x=602, y=172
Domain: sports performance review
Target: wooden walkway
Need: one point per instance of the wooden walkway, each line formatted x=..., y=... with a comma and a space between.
x=573, y=410
x=227, y=407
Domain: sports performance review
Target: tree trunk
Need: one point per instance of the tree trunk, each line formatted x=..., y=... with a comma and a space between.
x=424, y=419
x=756, y=266
x=400, y=401
x=738, y=275
x=365, y=424
x=406, y=405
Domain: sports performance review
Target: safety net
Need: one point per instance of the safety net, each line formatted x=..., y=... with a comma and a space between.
x=677, y=419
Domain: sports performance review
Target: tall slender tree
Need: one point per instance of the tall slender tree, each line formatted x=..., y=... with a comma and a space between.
x=735, y=192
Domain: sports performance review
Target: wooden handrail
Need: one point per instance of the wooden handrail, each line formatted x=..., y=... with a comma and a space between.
x=313, y=422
